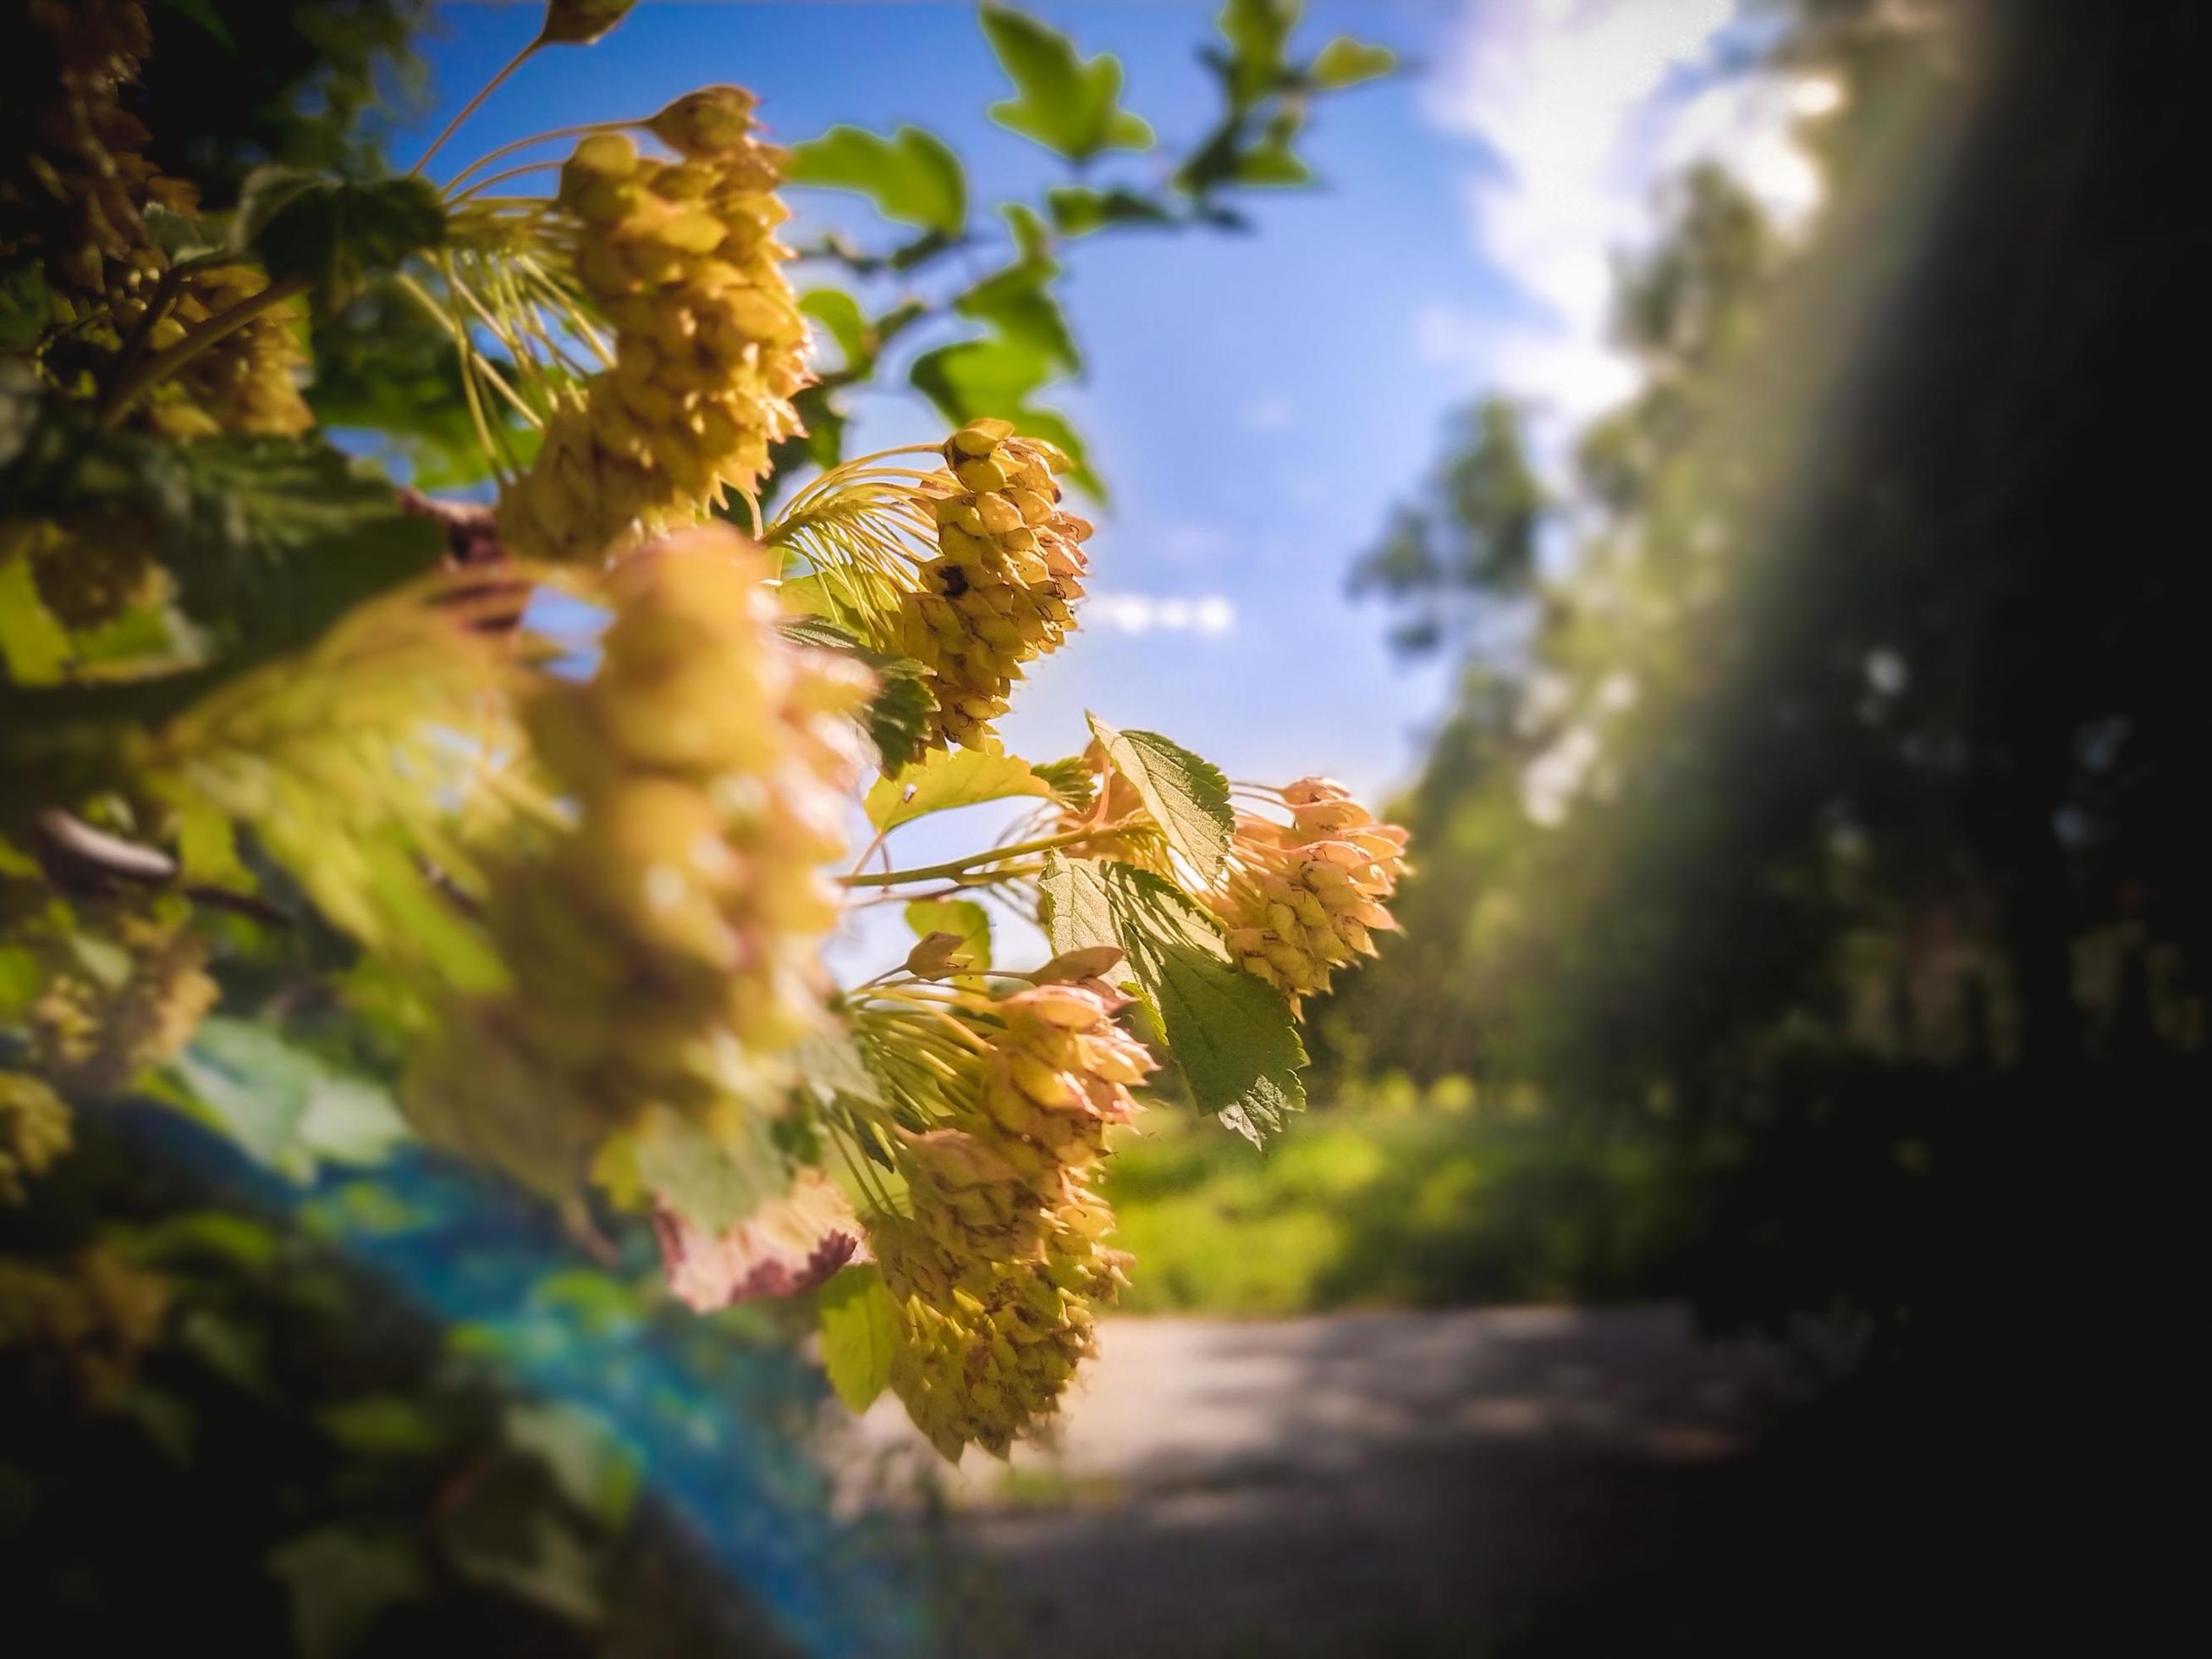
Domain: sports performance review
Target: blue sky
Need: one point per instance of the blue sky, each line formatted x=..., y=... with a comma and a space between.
x=1256, y=402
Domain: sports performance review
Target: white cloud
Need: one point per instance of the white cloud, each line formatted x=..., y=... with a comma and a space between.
x=1587, y=105
x=1267, y=414
x=1210, y=614
x=1194, y=544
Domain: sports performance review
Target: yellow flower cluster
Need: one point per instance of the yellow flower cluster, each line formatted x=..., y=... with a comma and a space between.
x=1302, y=897
x=90, y=567
x=663, y=952
x=93, y=1037
x=35, y=1131
x=248, y=381
x=71, y=177
x=73, y=188
x=84, y=1326
x=995, y=1271
x=681, y=258
x=1001, y=590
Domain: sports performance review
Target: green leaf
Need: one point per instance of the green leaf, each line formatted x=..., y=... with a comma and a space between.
x=26, y=309
x=1066, y=104
x=1344, y=62
x=948, y=779
x=341, y=1582
x=965, y=920
x=859, y=1334
x=995, y=377
x=912, y=177
x=381, y=1426
x=1230, y=1032
x=271, y=539
x=207, y=847
x=282, y=1105
x=1077, y=212
x=34, y=648
x=332, y=233
x=829, y=1062
x=897, y=718
x=505, y=1537
x=712, y=1185
x=1018, y=301
x=596, y=1471
x=284, y=536
x=1077, y=916
x=972, y=377
x=1072, y=780
x=1187, y=796
x=1258, y=33
x=182, y=236
x=1272, y=165
x=839, y=312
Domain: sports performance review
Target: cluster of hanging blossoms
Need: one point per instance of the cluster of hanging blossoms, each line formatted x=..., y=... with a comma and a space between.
x=680, y=259
x=1304, y=898
x=35, y=1131
x=1002, y=589
x=662, y=951
x=91, y=1034
x=996, y=1264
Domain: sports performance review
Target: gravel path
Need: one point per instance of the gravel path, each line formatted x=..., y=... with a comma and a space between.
x=1385, y=1483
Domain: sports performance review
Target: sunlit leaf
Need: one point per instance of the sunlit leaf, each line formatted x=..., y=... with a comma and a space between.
x=713, y=1177
x=859, y=1334
x=1018, y=301
x=1065, y=103
x=1344, y=62
x=839, y=312
x=967, y=923
x=958, y=777
x=913, y=177
x=1258, y=33
x=1230, y=1032
x=1187, y=795
x=284, y=1106
x=34, y=648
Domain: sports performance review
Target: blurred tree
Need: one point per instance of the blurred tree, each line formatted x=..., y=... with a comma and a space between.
x=1837, y=826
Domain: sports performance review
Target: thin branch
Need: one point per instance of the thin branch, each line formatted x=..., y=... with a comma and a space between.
x=77, y=856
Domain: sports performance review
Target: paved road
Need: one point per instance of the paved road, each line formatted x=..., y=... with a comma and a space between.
x=1457, y=1482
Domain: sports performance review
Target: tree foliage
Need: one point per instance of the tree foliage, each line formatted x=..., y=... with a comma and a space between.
x=1833, y=828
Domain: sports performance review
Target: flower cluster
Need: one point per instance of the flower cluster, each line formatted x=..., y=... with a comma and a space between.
x=84, y=1326
x=680, y=258
x=995, y=1270
x=248, y=381
x=72, y=179
x=663, y=951
x=74, y=189
x=1002, y=589
x=1302, y=898
x=93, y=1036
x=90, y=567
x=35, y=1131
